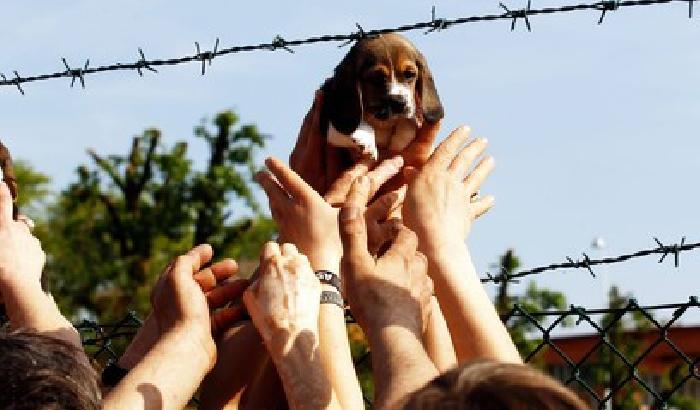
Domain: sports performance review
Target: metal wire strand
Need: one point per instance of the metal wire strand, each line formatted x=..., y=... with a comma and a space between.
x=280, y=43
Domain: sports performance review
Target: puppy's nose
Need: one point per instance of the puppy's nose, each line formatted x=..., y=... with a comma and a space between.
x=397, y=104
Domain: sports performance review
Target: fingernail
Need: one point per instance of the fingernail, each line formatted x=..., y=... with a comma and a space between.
x=484, y=140
x=349, y=213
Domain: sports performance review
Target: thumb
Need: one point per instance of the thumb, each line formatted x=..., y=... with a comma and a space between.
x=351, y=221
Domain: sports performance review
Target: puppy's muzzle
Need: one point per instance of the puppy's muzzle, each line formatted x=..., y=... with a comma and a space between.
x=392, y=105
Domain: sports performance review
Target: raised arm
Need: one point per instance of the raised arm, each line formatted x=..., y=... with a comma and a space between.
x=171, y=370
x=389, y=298
x=21, y=263
x=440, y=206
x=284, y=306
x=310, y=222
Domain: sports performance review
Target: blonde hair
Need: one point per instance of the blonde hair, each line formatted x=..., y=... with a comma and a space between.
x=486, y=385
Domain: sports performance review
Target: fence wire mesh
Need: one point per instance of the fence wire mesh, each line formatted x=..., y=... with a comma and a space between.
x=435, y=24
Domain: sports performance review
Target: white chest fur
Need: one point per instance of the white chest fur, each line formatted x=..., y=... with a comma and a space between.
x=368, y=139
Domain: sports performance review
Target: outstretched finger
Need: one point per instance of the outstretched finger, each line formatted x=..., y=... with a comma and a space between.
x=207, y=278
x=289, y=180
x=225, y=318
x=277, y=197
x=226, y=292
x=269, y=250
x=477, y=177
x=461, y=164
x=386, y=170
x=353, y=228
x=446, y=151
x=482, y=205
x=338, y=191
x=420, y=149
x=201, y=255
x=383, y=206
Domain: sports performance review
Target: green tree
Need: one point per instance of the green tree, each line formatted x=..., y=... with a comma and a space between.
x=34, y=192
x=115, y=228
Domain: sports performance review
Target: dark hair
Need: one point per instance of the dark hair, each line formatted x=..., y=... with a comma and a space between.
x=488, y=385
x=41, y=372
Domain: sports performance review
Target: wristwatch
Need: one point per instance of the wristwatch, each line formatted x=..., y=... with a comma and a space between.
x=328, y=278
x=330, y=297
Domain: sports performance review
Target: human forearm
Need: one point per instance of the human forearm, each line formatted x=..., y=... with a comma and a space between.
x=474, y=324
x=166, y=378
x=306, y=384
x=28, y=307
x=437, y=339
x=400, y=365
x=336, y=358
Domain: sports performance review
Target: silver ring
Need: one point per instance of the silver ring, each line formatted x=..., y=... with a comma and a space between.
x=475, y=196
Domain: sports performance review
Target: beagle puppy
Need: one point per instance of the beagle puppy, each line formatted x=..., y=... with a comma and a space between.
x=380, y=93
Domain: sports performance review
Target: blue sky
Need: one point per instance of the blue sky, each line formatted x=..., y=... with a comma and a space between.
x=594, y=128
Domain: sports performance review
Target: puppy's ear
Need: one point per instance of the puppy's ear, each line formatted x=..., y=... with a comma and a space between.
x=342, y=104
x=427, y=99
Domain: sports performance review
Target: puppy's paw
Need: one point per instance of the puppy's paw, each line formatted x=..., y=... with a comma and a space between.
x=370, y=150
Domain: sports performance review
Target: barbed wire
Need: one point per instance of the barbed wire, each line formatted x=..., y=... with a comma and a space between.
x=587, y=263
x=435, y=24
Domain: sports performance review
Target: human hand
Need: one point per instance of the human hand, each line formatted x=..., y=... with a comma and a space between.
x=184, y=296
x=284, y=301
x=310, y=221
x=394, y=290
x=21, y=257
x=316, y=161
x=438, y=204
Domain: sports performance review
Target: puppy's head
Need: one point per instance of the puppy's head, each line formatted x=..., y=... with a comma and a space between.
x=381, y=79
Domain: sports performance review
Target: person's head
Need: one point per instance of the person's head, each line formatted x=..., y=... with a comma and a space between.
x=494, y=386
x=41, y=372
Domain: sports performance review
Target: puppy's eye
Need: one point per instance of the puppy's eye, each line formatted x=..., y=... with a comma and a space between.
x=409, y=74
x=378, y=77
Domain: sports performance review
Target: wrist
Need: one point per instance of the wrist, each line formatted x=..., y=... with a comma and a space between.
x=325, y=260
x=144, y=340
x=199, y=348
x=297, y=339
x=395, y=322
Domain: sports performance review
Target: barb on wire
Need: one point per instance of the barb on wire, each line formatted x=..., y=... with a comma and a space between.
x=605, y=6
x=356, y=36
x=16, y=81
x=588, y=263
x=206, y=56
x=437, y=24
x=280, y=42
x=434, y=24
x=76, y=72
x=143, y=63
x=517, y=14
